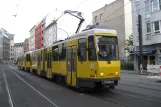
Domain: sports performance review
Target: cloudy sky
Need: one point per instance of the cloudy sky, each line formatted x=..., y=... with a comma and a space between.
x=29, y=12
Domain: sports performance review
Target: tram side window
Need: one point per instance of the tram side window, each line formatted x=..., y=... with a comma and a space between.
x=55, y=53
x=45, y=52
x=91, y=49
x=27, y=57
x=62, y=52
x=41, y=56
x=32, y=56
x=24, y=58
x=82, y=49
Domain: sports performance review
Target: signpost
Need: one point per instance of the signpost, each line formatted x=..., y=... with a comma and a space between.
x=140, y=41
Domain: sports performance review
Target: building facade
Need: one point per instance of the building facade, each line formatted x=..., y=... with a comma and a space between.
x=18, y=50
x=11, y=37
x=26, y=45
x=41, y=37
x=4, y=46
x=32, y=38
x=38, y=36
x=50, y=34
x=1, y=46
x=116, y=16
x=150, y=11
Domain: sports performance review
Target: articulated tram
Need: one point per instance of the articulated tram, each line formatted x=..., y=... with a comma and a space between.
x=89, y=59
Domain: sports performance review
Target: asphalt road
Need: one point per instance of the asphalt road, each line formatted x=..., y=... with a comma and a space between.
x=27, y=90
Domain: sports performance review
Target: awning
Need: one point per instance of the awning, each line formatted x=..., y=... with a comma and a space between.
x=143, y=52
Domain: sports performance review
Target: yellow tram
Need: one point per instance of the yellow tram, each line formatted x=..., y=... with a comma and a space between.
x=89, y=59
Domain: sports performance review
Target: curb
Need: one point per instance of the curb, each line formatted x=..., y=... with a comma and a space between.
x=134, y=72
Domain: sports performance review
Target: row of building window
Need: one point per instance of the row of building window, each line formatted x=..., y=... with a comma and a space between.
x=100, y=17
x=150, y=6
x=155, y=26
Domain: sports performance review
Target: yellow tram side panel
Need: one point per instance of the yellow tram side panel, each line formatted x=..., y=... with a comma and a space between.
x=59, y=67
x=21, y=62
x=31, y=61
x=34, y=62
x=49, y=70
x=86, y=69
x=42, y=63
x=27, y=63
x=74, y=74
x=24, y=61
x=38, y=54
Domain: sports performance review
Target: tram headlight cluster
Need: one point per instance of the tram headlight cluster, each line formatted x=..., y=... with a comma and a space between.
x=102, y=74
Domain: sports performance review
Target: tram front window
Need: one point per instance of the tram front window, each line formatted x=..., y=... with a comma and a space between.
x=107, y=48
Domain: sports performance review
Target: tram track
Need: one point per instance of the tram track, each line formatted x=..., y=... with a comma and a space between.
x=140, y=82
x=34, y=89
x=138, y=87
x=123, y=98
x=119, y=98
x=134, y=96
x=108, y=100
x=8, y=89
x=111, y=101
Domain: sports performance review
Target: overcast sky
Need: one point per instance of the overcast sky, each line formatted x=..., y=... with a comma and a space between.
x=29, y=12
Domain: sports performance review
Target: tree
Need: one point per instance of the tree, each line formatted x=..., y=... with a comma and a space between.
x=129, y=45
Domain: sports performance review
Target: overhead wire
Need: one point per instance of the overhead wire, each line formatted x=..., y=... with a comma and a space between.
x=75, y=8
x=117, y=9
x=127, y=13
x=17, y=5
x=79, y=4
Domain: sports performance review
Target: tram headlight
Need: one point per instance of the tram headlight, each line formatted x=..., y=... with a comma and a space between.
x=102, y=74
x=116, y=73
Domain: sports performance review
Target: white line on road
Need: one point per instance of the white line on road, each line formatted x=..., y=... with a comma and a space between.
x=8, y=91
x=34, y=89
x=136, y=96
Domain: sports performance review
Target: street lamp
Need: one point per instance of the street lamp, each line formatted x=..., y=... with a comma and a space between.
x=65, y=32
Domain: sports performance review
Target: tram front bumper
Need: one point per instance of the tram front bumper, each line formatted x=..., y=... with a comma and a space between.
x=92, y=83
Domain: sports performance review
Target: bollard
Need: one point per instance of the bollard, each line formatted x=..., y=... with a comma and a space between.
x=141, y=68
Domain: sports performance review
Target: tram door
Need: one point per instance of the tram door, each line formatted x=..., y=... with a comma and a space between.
x=71, y=65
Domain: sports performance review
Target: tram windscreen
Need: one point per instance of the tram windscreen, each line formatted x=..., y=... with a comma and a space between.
x=107, y=48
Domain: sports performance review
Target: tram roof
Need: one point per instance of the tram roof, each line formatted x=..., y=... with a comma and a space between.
x=79, y=35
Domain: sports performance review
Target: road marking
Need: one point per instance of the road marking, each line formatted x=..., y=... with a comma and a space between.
x=34, y=89
x=136, y=96
x=8, y=91
x=1, y=89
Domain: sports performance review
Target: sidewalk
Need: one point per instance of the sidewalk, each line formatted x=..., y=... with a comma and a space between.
x=135, y=72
